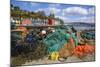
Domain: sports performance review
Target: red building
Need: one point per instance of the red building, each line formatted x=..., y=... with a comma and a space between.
x=26, y=22
x=51, y=22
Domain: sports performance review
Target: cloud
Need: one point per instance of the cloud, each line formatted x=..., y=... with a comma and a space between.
x=49, y=10
x=91, y=10
x=65, y=19
x=74, y=11
x=61, y=17
x=90, y=19
x=79, y=14
x=85, y=19
x=54, y=10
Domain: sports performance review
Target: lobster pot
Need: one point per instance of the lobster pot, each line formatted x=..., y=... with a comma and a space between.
x=90, y=35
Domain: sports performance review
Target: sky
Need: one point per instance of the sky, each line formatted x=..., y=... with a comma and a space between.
x=66, y=12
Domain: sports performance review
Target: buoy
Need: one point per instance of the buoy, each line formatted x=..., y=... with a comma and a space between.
x=54, y=56
x=43, y=32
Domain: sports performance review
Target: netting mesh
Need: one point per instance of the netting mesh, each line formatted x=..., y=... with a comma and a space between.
x=55, y=41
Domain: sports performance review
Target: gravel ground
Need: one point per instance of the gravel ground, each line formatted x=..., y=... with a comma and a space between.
x=70, y=59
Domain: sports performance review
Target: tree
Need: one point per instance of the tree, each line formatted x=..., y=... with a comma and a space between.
x=52, y=15
x=61, y=21
x=12, y=5
x=17, y=12
x=41, y=13
x=16, y=8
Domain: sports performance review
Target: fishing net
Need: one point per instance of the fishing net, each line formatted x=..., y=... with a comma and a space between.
x=55, y=41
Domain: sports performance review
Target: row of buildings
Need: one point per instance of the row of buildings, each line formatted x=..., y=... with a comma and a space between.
x=34, y=22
